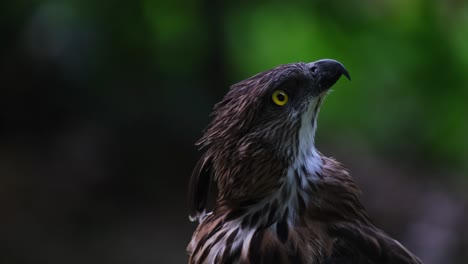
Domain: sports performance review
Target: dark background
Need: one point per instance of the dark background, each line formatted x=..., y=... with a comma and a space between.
x=101, y=102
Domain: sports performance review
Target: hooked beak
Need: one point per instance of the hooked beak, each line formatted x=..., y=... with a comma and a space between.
x=327, y=72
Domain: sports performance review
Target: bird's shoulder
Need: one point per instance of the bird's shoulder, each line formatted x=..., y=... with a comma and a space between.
x=358, y=243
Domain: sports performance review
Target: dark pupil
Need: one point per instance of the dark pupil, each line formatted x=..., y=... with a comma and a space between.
x=280, y=97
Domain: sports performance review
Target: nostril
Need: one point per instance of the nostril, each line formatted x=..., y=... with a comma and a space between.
x=313, y=69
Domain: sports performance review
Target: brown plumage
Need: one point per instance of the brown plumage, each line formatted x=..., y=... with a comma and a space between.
x=279, y=200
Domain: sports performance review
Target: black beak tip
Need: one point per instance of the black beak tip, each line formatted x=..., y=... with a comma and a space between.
x=346, y=74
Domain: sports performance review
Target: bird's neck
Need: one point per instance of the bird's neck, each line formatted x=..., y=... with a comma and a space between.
x=291, y=188
x=290, y=199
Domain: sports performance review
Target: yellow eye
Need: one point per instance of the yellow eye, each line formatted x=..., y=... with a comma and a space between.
x=279, y=97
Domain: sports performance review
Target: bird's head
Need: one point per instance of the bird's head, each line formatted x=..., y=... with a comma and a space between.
x=262, y=126
x=276, y=108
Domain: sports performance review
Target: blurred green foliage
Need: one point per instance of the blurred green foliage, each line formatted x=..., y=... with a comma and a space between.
x=409, y=88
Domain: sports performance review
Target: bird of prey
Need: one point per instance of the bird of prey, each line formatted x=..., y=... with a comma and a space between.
x=279, y=200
